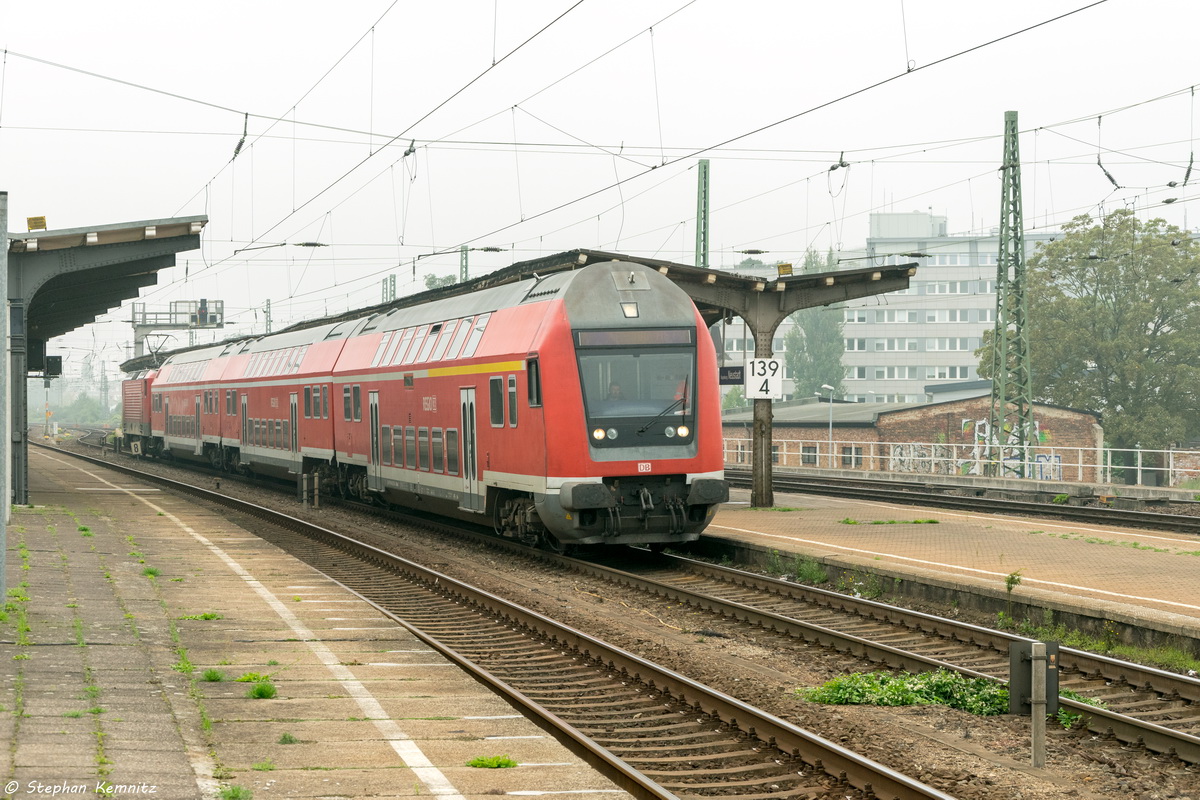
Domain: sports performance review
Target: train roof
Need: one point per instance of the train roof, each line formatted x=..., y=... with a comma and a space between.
x=528, y=281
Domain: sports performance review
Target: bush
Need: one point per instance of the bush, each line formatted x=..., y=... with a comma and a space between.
x=975, y=695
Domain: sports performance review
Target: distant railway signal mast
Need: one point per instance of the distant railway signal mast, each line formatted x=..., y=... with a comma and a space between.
x=1012, y=431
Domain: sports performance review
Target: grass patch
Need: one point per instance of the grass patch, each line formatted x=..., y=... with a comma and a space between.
x=235, y=793
x=287, y=738
x=252, y=677
x=265, y=765
x=975, y=695
x=213, y=675
x=205, y=615
x=262, y=690
x=152, y=572
x=978, y=696
x=492, y=762
x=809, y=570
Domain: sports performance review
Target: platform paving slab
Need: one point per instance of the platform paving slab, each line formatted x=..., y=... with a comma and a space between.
x=169, y=728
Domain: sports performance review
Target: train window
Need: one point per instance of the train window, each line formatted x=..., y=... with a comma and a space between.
x=533, y=380
x=324, y=402
x=385, y=448
x=423, y=448
x=444, y=340
x=157, y=404
x=279, y=433
x=496, y=398
x=346, y=403
x=286, y=442
x=430, y=341
x=439, y=456
x=402, y=348
x=418, y=340
x=308, y=402
x=410, y=447
x=357, y=403
x=460, y=336
x=476, y=335
x=270, y=434
x=384, y=342
x=391, y=351
x=452, y=451
x=512, y=401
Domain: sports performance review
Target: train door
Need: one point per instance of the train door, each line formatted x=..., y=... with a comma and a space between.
x=199, y=432
x=374, y=478
x=294, y=435
x=472, y=497
x=245, y=412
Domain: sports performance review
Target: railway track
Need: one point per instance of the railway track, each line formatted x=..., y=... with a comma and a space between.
x=654, y=732
x=939, y=497
x=1143, y=705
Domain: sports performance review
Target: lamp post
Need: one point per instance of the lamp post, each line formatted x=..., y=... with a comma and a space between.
x=830, y=389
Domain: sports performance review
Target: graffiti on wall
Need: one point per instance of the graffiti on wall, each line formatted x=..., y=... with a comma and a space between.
x=973, y=456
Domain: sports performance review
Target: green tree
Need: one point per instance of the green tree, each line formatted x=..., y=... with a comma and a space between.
x=84, y=410
x=434, y=282
x=814, y=345
x=1114, y=327
x=734, y=398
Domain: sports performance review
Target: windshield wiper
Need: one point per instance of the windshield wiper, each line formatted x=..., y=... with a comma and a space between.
x=659, y=416
x=682, y=401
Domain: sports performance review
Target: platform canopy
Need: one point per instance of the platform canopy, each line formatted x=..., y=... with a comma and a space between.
x=68, y=278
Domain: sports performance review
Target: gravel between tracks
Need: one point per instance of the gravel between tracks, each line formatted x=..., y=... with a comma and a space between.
x=969, y=757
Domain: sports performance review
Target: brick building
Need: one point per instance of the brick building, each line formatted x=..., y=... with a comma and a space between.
x=948, y=438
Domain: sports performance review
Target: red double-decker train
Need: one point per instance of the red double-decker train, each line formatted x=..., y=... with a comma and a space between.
x=576, y=408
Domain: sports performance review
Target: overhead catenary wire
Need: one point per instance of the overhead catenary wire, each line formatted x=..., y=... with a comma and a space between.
x=524, y=215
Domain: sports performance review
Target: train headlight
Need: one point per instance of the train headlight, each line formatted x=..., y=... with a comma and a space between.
x=670, y=432
x=598, y=434
x=682, y=430
x=612, y=433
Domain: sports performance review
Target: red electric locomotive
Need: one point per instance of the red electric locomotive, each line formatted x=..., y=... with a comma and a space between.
x=576, y=408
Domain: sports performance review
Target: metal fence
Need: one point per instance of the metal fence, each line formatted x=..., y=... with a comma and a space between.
x=1166, y=468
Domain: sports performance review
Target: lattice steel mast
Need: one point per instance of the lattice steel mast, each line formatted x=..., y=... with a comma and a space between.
x=1012, y=431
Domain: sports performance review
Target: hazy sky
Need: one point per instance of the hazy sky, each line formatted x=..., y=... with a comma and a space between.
x=544, y=125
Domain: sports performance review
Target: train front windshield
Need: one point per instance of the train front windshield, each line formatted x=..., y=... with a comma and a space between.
x=639, y=386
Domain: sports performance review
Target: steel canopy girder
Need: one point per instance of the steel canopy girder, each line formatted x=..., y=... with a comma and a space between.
x=32, y=274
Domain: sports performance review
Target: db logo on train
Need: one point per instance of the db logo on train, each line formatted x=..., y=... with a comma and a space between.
x=643, y=466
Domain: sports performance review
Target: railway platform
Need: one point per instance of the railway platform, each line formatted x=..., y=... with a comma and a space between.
x=1135, y=578
x=127, y=603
